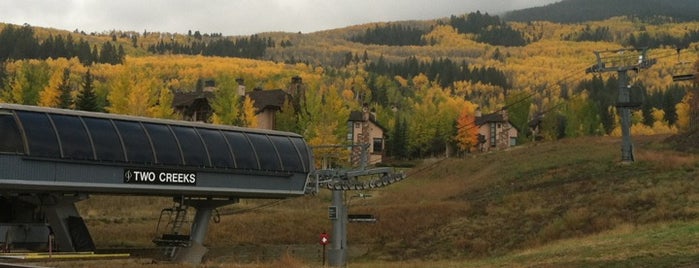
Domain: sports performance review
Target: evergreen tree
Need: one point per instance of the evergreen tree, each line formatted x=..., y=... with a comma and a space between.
x=391, y=35
x=83, y=53
x=398, y=142
x=65, y=99
x=95, y=54
x=108, y=54
x=121, y=54
x=87, y=98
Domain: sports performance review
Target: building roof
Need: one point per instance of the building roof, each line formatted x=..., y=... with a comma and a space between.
x=268, y=99
x=187, y=98
x=489, y=118
x=356, y=116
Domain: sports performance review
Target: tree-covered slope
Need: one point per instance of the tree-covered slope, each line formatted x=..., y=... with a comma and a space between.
x=574, y=11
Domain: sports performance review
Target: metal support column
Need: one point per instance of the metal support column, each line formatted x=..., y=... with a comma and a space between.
x=58, y=209
x=621, y=61
x=339, y=182
x=337, y=255
x=625, y=114
x=196, y=251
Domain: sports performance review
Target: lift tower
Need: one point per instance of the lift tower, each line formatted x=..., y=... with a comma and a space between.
x=622, y=61
x=340, y=181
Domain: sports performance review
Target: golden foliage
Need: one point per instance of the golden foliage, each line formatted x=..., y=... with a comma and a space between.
x=447, y=36
x=467, y=135
x=249, y=119
x=50, y=96
x=684, y=112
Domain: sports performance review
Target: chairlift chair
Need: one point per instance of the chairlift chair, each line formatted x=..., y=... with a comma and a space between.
x=683, y=72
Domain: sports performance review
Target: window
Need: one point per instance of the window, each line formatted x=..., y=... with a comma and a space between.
x=41, y=136
x=73, y=137
x=350, y=132
x=378, y=145
x=303, y=150
x=269, y=159
x=513, y=141
x=243, y=153
x=287, y=153
x=167, y=151
x=10, y=139
x=107, y=144
x=192, y=148
x=138, y=148
x=218, y=148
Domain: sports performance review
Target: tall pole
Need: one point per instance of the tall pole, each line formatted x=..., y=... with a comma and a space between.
x=631, y=59
x=337, y=255
x=625, y=112
x=340, y=182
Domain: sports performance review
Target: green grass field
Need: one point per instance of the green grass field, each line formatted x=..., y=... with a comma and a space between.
x=568, y=203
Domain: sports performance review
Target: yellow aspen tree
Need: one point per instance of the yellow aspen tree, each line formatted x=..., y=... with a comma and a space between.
x=119, y=86
x=142, y=95
x=163, y=109
x=286, y=119
x=421, y=81
x=50, y=96
x=226, y=102
x=248, y=117
x=422, y=126
x=401, y=81
x=326, y=120
x=660, y=125
x=348, y=94
x=37, y=73
x=17, y=84
x=133, y=91
x=684, y=113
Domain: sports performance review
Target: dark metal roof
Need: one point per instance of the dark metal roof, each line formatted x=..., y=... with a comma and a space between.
x=489, y=118
x=268, y=99
x=356, y=116
x=140, y=118
x=181, y=99
x=59, y=150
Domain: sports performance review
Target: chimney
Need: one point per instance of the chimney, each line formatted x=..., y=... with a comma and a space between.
x=296, y=80
x=504, y=115
x=241, y=86
x=295, y=86
x=365, y=112
x=478, y=112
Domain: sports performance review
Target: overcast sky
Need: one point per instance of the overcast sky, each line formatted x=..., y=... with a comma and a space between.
x=237, y=17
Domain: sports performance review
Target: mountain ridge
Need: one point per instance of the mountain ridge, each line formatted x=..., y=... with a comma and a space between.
x=577, y=11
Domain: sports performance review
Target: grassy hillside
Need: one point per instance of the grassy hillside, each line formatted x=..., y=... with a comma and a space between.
x=568, y=203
